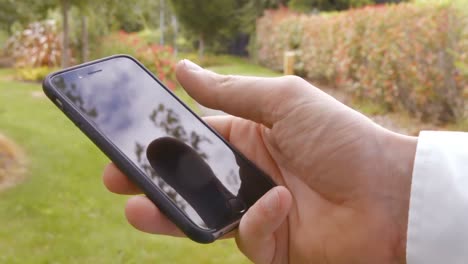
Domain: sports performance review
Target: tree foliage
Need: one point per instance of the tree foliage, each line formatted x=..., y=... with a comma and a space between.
x=250, y=10
x=327, y=5
x=202, y=18
x=22, y=12
x=331, y=5
x=206, y=21
x=220, y=23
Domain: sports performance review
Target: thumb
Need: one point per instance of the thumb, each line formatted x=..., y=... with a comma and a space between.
x=262, y=100
x=256, y=236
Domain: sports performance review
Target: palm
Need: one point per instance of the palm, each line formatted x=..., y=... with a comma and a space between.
x=346, y=196
x=289, y=154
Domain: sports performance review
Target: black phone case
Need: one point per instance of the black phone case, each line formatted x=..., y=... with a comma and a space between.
x=126, y=166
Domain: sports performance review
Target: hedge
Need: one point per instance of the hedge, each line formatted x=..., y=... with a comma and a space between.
x=408, y=56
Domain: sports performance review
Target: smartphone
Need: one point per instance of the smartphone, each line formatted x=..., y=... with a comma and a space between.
x=194, y=176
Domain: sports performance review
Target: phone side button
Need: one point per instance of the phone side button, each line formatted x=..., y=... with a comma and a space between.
x=59, y=103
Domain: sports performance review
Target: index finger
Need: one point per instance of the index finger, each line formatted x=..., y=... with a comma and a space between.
x=117, y=182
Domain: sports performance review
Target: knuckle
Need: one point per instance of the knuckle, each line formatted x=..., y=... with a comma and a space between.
x=225, y=81
x=292, y=86
x=295, y=80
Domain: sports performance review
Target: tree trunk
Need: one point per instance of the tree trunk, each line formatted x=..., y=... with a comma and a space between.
x=175, y=26
x=201, y=46
x=65, y=39
x=84, y=39
x=161, y=21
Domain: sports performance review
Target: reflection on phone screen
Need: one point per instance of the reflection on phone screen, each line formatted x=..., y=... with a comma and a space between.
x=205, y=178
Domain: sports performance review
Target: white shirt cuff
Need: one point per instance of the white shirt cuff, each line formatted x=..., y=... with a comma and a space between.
x=438, y=215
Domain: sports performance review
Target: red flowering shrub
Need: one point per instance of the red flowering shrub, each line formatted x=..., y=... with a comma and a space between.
x=37, y=46
x=158, y=59
x=277, y=31
x=403, y=56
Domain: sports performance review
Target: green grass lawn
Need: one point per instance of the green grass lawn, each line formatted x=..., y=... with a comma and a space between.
x=241, y=66
x=62, y=213
x=244, y=68
x=225, y=64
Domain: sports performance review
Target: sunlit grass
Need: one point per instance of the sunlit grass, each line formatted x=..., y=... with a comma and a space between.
x=7, y=73
x=244, y=68
x=226, y=64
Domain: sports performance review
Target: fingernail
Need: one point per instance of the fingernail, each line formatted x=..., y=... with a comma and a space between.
x=271, y=202
x=192, y=66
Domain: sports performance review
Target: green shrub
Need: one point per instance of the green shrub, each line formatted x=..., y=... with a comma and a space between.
x=408, y=56
x=33, y=74
x=3, y=39
x=149, y=36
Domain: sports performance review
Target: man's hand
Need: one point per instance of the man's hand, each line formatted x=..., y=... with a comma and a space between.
x=344, y=181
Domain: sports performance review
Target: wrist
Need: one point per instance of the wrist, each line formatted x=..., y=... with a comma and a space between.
x=399, y=152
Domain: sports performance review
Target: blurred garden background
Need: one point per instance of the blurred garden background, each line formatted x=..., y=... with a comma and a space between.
x=403, y=63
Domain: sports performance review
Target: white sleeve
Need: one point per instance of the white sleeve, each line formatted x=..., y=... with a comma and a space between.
x=438, y=215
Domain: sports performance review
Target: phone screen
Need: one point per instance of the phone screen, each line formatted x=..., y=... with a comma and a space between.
x=206, y=179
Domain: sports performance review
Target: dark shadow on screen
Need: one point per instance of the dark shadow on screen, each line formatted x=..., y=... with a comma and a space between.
x=190, y=176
